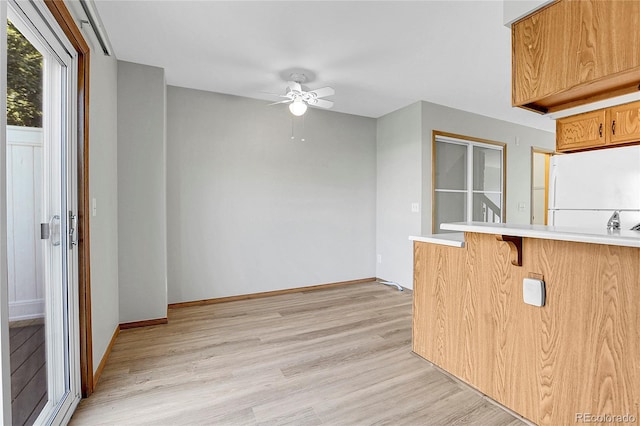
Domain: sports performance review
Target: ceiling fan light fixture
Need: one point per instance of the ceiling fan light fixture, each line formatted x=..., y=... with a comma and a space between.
x=298, y=107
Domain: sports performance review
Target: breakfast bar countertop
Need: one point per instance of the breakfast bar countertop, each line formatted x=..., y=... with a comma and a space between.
x=453, y=239
x=625, y=238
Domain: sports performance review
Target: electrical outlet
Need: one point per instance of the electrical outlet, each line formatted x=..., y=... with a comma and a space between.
x=415, y=207
x=533, y=291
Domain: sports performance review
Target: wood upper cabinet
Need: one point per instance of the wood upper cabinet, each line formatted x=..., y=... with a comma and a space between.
x=574, y=52
x=539, y=60
x=599, y=129
x=581, y=131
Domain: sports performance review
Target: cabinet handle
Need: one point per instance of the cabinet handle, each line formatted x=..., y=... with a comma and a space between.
x=613, y=127
x=600, y=130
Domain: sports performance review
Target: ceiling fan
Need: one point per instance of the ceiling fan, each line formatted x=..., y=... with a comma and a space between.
x=298, y=98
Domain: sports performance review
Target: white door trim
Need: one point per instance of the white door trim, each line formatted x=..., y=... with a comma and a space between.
x=5, y=369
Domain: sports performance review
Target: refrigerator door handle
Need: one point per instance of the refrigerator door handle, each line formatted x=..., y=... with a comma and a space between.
x=552, y=201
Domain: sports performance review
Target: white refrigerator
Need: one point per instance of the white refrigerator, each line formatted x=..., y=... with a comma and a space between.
x=585, y=188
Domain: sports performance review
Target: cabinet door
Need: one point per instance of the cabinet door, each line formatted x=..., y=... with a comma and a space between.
x=575, y=52
x=581, y=131
x=539, y=54
x=604, y=39
x=624, y=123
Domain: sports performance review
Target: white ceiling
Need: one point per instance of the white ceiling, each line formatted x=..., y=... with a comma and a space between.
x=379, y=55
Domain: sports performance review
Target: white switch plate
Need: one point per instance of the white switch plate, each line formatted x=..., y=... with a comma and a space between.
x=94, y=209
x=522, y=205
x=415, y=207
x=379, y=258
x=533, y=292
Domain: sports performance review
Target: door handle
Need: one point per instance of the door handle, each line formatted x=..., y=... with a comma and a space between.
x=73, y=230
x=51, y=229
x=552, y=194
x=45, y=231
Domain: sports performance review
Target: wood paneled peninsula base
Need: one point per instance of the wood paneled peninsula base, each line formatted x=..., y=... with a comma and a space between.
x=574, y=360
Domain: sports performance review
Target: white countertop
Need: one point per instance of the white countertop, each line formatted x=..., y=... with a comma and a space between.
x=453, y=239
x=624, y=238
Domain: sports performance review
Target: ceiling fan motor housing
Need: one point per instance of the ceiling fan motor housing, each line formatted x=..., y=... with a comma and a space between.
x=298, y=78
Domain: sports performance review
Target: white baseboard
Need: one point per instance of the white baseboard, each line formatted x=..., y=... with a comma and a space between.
x=26, y=309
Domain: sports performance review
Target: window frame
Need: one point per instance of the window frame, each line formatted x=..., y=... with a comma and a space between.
x=469, y=142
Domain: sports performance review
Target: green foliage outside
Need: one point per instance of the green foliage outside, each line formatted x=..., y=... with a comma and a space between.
x=24, y=80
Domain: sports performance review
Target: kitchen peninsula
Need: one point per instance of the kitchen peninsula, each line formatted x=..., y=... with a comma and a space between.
x=577, y=354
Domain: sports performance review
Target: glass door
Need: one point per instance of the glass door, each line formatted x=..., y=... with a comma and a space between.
x=41, y=223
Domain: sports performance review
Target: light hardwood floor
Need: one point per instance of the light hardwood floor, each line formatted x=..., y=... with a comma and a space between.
x=340, y=356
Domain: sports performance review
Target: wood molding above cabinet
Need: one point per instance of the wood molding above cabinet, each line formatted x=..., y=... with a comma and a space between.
x=575, y=52
x=602, y=128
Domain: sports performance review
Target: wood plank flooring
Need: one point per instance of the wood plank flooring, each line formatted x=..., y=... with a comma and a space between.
x=340, y=356
x=28, y=371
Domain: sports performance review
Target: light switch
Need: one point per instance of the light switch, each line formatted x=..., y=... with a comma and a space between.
x=415, y=207
x=533, y=291
x=94, y=209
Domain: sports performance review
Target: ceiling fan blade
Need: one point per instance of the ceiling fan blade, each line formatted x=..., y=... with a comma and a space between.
x=295, y=86
x=322, y=103
x=323, y=91
x=281, y=102
x=279, y=95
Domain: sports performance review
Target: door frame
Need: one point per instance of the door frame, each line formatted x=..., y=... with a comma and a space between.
x=62, y=15
x=548, y=153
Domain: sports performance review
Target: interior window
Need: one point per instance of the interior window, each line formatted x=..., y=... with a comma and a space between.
x=468, y=180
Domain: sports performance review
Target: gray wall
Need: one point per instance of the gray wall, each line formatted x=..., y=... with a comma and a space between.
x=251, y=210
x=404, y=174
x=142, y=224
x=399, y=184
x=103, y=186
